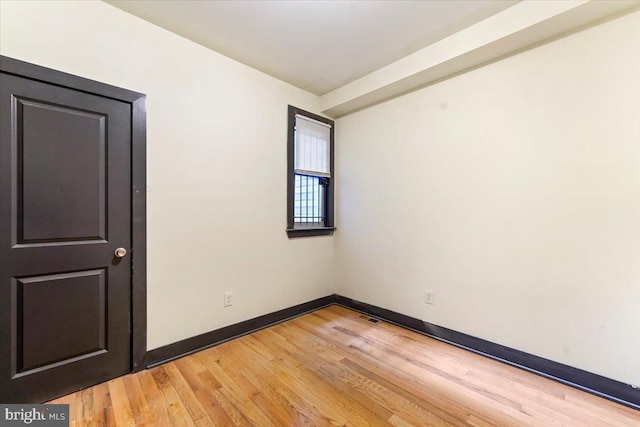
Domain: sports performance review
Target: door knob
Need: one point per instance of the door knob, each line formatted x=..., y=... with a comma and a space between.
x=120, y=252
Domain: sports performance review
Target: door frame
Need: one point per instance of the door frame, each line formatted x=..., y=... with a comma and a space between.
x=138, y=309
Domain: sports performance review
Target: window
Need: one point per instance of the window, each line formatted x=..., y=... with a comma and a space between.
x=310, y=174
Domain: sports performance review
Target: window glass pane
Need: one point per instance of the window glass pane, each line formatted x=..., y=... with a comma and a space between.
x=308, y=200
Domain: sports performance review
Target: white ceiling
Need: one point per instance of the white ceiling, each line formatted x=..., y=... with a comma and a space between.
x=315, y=45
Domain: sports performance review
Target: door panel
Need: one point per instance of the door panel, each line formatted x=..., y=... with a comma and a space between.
x=75, y=302
x=65, y=188
x=59, y=215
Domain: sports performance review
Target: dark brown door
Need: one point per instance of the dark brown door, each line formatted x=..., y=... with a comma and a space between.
x=65, y=194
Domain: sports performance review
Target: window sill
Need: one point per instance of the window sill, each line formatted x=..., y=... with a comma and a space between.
x=310, y=231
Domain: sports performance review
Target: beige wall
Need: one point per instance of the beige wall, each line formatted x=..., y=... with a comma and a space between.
x=513, y=192
x=216, y=157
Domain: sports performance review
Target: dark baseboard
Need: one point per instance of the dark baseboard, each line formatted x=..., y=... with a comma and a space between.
x=191, y=345
x=586, y=381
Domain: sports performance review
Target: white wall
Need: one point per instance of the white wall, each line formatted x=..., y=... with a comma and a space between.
x=513, y=192
x=216, y=157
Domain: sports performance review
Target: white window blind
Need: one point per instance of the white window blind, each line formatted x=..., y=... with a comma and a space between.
x=312, y=147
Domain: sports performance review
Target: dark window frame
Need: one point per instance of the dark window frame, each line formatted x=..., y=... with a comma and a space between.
x=294, y=230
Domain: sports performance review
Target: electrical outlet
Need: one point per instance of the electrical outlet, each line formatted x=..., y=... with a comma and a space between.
x=228, y=298
x=428, y=297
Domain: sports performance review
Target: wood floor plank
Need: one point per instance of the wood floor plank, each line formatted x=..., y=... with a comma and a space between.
x=479, y=371
x=120, y=403
x=86, y=409
x=101, y=405
x=449, y=396
x=213, y=407
x=378, y=346
x=177, y=413
x=154, y=399
x=137, y=401
x=376, y=388
x=219, y=397
x=333, y=367
x=308, y=372
x=294, y=386
x=327, y=368
x=290, y=406
x=184, y=391
x=330, y=388
x=231, y=391
x=259, y=386
x=400, y=401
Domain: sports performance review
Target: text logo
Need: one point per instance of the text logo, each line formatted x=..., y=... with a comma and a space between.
x=34, y=415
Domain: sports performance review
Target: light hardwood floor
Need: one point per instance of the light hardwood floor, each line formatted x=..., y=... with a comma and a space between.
x=333, y=367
